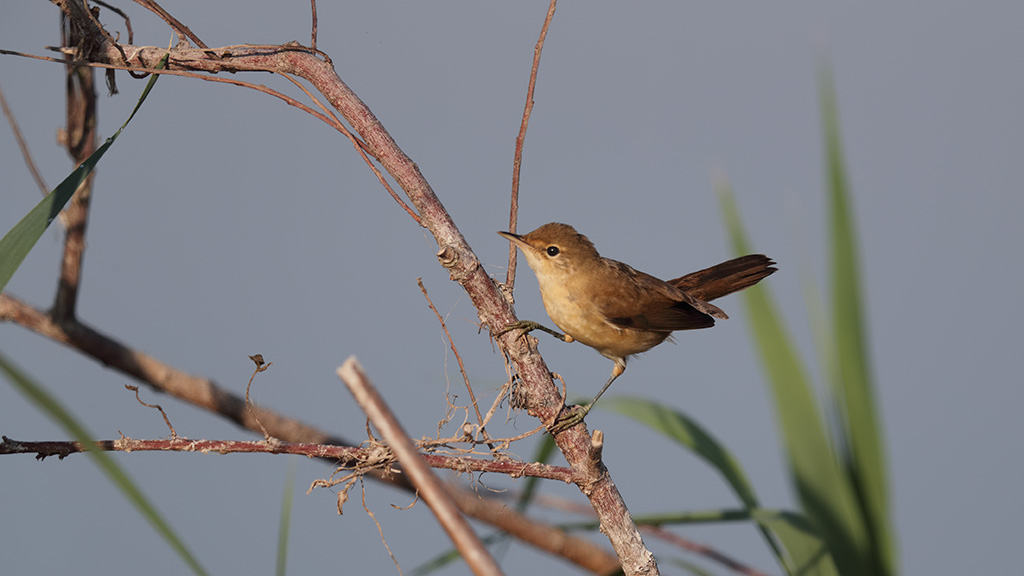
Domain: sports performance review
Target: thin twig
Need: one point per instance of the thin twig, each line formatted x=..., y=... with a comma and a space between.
x=167, y=420
x=380, y=529
x=25, y=153
x=517, y=163
x=458, y=358
x=260, y=367
x=427, y=484
x=312, y=35
x=119, y=12
x=497, y=402
x=177, y=26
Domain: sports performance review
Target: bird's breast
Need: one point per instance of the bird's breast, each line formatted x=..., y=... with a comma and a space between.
x=574, y=312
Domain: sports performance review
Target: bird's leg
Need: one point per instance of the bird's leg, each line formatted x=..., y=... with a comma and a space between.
x=529, y=326
x=576, y=414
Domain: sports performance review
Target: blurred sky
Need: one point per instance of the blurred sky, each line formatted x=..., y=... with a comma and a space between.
x=225, y=224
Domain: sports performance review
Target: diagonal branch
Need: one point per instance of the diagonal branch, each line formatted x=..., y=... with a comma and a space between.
x=536, y=386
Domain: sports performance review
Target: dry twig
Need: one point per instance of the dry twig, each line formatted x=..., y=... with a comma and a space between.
x=517, y=163
x=428, y=486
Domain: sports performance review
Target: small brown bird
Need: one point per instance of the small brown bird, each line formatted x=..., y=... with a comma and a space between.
x=615, y=309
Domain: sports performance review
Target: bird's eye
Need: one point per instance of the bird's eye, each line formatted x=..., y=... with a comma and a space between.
x=553, y=251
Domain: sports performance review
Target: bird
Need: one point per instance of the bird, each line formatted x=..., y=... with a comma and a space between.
x=618, y=310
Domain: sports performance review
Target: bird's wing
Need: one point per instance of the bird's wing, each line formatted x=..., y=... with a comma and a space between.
x=647, y=303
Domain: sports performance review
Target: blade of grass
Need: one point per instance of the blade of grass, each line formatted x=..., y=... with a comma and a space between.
x=688, y=433
x=49, y=405
x=854, y=391
x=806, y=549
x=284, y=527
x=825, y=493
x=18, y=242
x=807, y=552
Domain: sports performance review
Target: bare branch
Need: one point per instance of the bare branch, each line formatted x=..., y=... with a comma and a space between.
x=346, y=455
x=206, y=394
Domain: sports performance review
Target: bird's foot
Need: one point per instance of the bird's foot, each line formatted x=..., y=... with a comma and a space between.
x=569, y=417
x=529, y=326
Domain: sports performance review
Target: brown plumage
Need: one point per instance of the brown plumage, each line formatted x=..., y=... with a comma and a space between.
x=615, y=309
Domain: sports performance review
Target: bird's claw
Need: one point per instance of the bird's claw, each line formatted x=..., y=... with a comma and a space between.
x=567, y=418
x=528, y=326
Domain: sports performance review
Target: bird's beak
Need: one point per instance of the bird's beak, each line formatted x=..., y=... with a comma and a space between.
x=515, y=239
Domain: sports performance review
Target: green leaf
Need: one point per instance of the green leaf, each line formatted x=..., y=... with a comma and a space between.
x=825, y=492
x=687, y=432
x=863, y=448
x=18, y=242
x=53, y=408
x=807, y=552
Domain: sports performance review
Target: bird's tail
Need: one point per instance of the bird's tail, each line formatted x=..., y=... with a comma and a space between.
x=726, y=278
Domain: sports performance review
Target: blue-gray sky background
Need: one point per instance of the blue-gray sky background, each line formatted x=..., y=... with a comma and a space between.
x=225, y=224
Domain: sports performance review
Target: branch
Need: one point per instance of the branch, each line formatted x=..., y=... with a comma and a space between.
x=536, y=388
x=204, y=393
x=340, y=455
x=79, y=136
